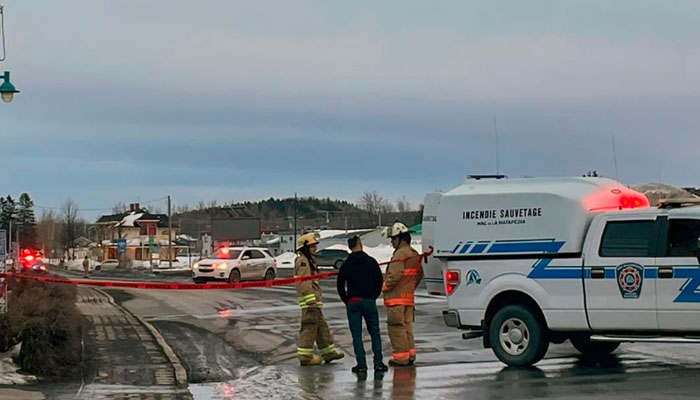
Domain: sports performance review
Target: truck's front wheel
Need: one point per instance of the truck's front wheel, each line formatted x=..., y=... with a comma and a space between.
x=517, y=336
x=583, y=344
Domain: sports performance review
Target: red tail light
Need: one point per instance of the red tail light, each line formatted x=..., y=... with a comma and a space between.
x=451, y=280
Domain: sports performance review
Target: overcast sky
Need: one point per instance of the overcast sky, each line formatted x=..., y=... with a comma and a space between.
x=231, y=101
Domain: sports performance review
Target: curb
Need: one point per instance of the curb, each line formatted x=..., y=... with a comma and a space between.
x=180, y=373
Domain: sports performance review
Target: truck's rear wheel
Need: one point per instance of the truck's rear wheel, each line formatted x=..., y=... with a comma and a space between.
x=517, y=336
x=585, y=346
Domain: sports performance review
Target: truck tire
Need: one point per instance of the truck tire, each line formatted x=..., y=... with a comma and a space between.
x=518, y=337
x=587, y=348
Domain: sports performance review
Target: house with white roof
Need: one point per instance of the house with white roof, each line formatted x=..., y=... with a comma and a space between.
x=145, y=233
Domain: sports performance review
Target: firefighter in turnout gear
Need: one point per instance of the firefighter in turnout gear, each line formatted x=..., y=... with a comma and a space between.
x=313, y=325
x=402, y=277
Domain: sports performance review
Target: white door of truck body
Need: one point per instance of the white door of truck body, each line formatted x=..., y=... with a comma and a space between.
x=432, y=266
x=619, y=260
x=678, y=275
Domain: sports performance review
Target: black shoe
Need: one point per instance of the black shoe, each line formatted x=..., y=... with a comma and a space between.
x=359, y=369
x=381, y=368
x=395, y=363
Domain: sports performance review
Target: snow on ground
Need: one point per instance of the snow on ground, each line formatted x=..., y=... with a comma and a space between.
x=8, y=369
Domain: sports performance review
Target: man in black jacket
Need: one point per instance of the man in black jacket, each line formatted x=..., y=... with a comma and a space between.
x=363, y=278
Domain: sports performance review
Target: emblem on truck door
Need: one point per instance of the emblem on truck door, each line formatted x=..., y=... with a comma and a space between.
x=630, y=277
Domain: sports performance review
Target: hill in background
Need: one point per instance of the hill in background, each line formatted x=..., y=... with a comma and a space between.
x=278, y=215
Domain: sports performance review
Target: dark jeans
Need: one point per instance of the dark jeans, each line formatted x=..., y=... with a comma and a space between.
x=366, y=309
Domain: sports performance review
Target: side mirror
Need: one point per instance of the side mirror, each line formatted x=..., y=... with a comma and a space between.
x=244, y=258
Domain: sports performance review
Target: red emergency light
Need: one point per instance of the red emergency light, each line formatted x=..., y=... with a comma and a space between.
x=615, y=199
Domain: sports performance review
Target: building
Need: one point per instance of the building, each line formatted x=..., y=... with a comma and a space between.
x=145, y=234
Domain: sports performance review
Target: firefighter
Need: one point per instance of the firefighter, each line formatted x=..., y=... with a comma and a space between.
x=313, y=325
x=402, y=277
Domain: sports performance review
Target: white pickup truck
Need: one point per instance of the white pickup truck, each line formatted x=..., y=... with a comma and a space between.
x=526, y=262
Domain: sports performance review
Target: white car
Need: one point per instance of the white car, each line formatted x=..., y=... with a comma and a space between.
x=108, y=265
x=235, y=264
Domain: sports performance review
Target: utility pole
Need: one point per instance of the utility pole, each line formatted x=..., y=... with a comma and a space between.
x=170, y=237
x=294, y=245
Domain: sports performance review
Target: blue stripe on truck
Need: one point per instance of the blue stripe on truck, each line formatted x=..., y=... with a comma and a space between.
x=525, y=247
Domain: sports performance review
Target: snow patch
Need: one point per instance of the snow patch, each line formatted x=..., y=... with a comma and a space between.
x=130, y=219
x=8, y=369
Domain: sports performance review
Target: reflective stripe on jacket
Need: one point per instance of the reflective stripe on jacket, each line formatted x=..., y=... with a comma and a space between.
x=308, y=292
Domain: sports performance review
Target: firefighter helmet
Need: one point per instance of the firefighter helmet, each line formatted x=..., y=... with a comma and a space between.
x=394, y=229
x=307, y=239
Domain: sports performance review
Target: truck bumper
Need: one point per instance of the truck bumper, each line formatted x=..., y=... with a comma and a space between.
x=451, y=318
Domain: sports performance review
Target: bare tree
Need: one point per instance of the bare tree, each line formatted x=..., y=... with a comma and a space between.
x=69, y=217
x=156, y=210
x=201, y=205
x=371, y=202
x=119, y=208
x=403, y=205
x=48, y=231
x=386, y=207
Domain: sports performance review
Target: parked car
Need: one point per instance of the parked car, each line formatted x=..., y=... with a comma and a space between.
x=331, y=257
x=235, y=264
x=108, y=265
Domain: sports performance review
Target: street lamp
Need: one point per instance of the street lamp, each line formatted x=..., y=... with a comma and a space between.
x=7, y=89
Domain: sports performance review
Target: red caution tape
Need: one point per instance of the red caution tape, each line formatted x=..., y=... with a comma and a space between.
x=182, y=286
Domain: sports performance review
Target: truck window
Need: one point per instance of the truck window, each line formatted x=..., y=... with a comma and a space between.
x=628, y=239
x=683, y=237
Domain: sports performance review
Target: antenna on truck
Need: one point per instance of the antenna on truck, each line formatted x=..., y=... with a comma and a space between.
x=614, y=156
x=495, y=130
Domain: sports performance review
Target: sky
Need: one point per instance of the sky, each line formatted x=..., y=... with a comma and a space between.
x=125, y=101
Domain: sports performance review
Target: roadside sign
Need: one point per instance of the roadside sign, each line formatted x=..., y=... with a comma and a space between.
x=151, y=243
x=121, y=245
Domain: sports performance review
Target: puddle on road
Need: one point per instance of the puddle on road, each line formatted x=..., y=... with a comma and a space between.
x=265, y=383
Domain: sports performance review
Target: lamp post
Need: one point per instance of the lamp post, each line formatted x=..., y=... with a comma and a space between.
x=7, y=89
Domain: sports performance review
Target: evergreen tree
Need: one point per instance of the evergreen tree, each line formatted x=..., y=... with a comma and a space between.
x=8, y=216
x=26, y=221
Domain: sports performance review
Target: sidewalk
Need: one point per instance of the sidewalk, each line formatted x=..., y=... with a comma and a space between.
x=128, y=359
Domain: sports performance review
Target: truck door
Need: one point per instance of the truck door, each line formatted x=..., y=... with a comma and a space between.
x=678, y=276
x=619, y=250
x=432, y=266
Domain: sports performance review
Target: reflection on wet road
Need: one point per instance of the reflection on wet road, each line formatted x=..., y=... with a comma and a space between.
x=624, y=376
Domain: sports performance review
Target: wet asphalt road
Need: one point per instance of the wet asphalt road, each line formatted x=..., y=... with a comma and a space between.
x=241, y=344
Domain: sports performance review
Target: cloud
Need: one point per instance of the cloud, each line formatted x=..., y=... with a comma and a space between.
x=235, y=99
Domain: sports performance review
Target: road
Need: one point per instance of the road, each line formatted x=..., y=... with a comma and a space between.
x=242, y=344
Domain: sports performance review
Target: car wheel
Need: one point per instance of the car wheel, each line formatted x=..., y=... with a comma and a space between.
x=518, y=337
x=338, y=264
x=583, y=343
x=235, y=276
x=270, y=275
